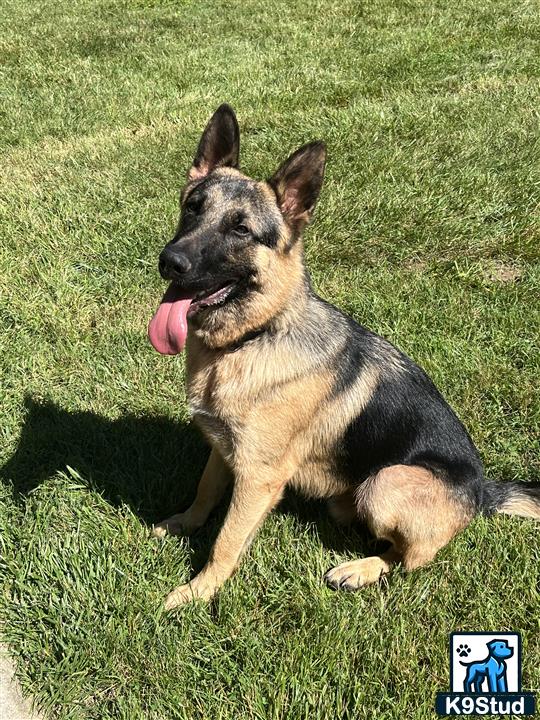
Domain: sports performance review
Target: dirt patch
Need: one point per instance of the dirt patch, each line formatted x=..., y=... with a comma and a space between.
x=415, y=265
x=502, y=272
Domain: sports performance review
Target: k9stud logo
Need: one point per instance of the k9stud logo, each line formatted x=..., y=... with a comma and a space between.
x=485, y=676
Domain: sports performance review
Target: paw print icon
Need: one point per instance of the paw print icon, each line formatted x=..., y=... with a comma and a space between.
x=463, y=650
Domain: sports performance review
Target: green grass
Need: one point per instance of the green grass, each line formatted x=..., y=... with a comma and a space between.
x=430, y=111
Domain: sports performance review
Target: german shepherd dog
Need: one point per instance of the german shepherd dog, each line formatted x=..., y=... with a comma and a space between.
x=288, y=390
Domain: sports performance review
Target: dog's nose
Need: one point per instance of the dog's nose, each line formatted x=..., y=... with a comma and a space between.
x=173, y=263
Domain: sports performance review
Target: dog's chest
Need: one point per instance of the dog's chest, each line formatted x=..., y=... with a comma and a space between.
x=219, y=404
x=219, y=431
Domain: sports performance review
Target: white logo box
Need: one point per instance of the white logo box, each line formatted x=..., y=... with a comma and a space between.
x=477, y=644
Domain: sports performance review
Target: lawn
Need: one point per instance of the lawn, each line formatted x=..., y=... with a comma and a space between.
x=427, y=231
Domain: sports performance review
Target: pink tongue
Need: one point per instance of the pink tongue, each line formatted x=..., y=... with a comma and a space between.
x=168, y=328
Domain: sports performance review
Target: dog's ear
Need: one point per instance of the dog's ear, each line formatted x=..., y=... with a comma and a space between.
x=219, y=145
x=297, y=183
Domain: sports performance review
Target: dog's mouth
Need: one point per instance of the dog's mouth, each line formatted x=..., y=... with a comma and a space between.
x=206, y=300
x=168, y=328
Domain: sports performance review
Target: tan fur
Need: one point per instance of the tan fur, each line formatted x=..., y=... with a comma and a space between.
x=357, y=573
x=318, y=477
x=522, y=506
x=272, y=424
x=237, y=404
x=254, y=495
x=410, y=507
x=279, y=278
x=279, y=275
x=413, y=509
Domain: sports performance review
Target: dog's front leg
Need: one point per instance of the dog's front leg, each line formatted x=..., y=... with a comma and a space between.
x=252, y=499
x=212, y=485
x=493, y=680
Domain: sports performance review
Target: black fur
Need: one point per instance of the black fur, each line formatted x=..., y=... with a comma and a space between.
x=407, y=421
x=216, y=252
x=220, y=141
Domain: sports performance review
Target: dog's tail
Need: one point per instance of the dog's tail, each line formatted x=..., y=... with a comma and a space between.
x=513, y=498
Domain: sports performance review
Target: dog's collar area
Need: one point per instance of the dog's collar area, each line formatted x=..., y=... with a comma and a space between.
x=247, y=337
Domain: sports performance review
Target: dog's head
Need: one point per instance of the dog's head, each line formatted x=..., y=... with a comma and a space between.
x=236, y=254
x=500, y=649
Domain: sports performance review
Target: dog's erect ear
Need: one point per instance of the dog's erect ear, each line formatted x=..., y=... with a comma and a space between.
x=219, y=145
x=297, y=183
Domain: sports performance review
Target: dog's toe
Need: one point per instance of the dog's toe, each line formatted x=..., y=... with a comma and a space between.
x=180, y=596
x=200, y=588
x=335, y=580
x=159, y=531
x=330, y=580
x=355, y=574
x=179, y=524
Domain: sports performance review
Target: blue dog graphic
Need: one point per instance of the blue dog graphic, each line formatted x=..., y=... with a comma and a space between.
x=492, y=669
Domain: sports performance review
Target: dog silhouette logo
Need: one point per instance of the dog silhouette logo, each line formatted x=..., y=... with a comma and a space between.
x=485, y=676
x=491, y=670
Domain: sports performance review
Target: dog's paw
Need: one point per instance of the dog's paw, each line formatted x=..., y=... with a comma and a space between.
x=181, y=524
x=357, y=573
x=463, y=650
x=197, y=589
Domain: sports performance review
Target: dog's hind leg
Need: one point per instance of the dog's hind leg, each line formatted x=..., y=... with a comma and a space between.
x=478, y=683
x=212, y=485
x=414, y=510
x=468, y=682
x=342, y=508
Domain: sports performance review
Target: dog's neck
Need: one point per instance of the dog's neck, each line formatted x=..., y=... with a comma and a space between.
x=280, y=298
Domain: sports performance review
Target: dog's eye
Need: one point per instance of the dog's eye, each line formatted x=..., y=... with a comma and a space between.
x=241, y=230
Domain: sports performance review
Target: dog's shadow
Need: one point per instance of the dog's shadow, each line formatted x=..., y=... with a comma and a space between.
x=151, y=463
